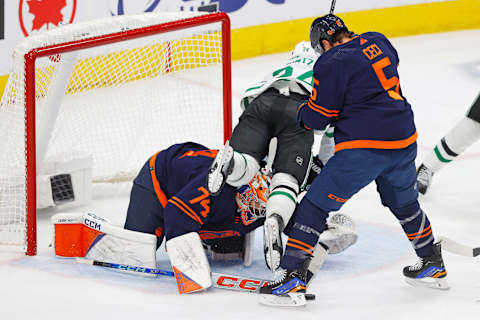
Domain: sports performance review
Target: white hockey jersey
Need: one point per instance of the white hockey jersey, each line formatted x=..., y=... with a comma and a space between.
x=295, y=75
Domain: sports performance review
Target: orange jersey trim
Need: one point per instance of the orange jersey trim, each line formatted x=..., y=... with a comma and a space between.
x=186, y=209
x=376, y=144
x=156, y=185
x=322, y=110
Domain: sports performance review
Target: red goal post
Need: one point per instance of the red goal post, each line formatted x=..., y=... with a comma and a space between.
x=85, y=42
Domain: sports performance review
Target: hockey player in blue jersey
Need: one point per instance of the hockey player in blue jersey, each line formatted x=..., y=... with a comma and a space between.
x=356, y=88
x=169, y=200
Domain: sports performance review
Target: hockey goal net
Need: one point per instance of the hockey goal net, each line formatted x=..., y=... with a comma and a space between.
x=111, y=93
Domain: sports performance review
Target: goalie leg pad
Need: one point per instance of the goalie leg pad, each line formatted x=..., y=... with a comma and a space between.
x=189, y=263
x=90, y=236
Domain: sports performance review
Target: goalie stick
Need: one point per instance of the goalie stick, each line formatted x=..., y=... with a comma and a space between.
x=219, y=280
x=458, y=248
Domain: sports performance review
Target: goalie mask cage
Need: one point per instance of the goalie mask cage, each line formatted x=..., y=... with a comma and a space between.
x=118, y=89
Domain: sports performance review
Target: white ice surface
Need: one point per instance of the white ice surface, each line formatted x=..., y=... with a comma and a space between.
x=440, y=76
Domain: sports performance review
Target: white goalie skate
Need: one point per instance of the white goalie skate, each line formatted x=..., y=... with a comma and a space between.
x=220, y=169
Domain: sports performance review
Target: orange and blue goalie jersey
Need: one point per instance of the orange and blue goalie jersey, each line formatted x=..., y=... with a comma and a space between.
x=357, y=90
x=177, y=177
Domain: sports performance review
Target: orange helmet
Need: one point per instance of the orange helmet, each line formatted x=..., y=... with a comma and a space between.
x=252, y=198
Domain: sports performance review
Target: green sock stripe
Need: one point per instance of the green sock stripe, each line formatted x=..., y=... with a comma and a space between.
x=328, y=134
x=439, y=155
x=283, y=193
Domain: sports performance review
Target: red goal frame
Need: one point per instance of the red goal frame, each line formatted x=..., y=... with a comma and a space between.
x=32, y=55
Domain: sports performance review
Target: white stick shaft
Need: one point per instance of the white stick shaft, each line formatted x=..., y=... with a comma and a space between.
x=458, y=248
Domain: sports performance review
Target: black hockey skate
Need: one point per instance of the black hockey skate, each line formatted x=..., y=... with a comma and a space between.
x=424, y=178
x=221, y=167
x=428, y=272
x=288, y=291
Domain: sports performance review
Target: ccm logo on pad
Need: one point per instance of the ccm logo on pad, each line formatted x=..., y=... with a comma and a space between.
x=93, y=224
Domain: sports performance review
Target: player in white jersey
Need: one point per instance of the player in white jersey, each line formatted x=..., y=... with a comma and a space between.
x=458, y=139
x=270, y=110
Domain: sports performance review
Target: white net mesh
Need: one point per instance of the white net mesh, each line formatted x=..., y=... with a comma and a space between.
x=119, y=103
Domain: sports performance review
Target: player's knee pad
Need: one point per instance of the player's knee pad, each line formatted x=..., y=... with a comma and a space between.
x=92, y=237
x=244, y=169
x=283, y=196
x=189, y=262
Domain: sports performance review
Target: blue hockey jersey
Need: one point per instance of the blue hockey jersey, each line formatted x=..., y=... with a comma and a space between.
x=178, y=176
x=357, y=90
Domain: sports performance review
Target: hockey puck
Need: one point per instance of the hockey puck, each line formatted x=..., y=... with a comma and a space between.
x=309, y=296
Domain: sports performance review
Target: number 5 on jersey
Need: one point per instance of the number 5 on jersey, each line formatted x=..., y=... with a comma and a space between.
x=391, y=85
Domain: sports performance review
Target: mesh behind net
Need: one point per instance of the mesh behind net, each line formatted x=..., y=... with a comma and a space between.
x=123, y=102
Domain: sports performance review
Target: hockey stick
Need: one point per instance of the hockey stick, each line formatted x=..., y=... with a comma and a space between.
x=219, y=280
x=332, y=6
x=458, y=248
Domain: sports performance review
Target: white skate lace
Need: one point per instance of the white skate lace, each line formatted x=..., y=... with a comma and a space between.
x=417, y=266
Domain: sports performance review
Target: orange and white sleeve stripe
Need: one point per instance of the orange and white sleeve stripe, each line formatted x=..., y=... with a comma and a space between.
x=185, y=209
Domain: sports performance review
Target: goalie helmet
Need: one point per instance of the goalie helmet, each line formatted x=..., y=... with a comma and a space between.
x=252, y=198
x=324, y=28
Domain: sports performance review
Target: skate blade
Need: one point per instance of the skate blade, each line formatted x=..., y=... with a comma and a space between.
x=431, y=283
x=288, y=300
x=215, y=177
